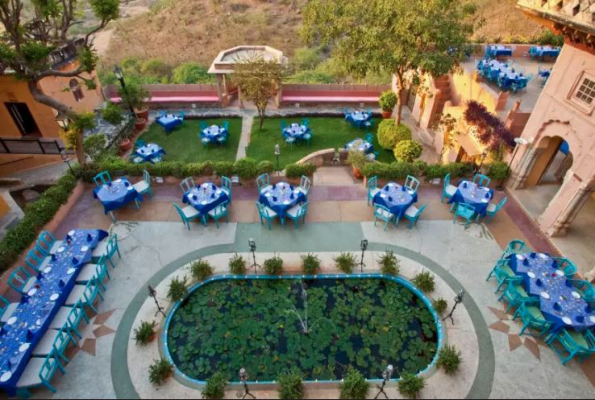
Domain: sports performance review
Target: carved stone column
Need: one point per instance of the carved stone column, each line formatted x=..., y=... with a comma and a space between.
x=521, y=172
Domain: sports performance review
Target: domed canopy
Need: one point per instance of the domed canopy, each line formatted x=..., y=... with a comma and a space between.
x=226, y=60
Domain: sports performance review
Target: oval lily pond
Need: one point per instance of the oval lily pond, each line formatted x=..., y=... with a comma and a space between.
x=321, y=326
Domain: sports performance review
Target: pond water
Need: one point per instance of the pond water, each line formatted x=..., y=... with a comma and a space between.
x=320, y=326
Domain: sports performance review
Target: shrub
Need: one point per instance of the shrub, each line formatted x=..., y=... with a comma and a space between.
x=178, y=289
x=191, y=73
x=144, y=333
x=498, y=171
x=357, y=159
x=135, y=95
x=310, y=264
x=395, y=171
x=201, y=270
x=411, y=385
x=298, y=170
x=290, y=385
x=389, y=134
x=237, y=265
x=425, y=282
x=156, y=68
x=223, y=168
x=346, y=262
x=408, y=150
x=95, y=145
x=440, y=305
x=265, y=167
x=159, y=371
x=388, y=101
x=389, y=264
x=449, y=359
x=246, y=168
x=112, y=113
x=354, y=385
x=274, y=266
x=215, y=387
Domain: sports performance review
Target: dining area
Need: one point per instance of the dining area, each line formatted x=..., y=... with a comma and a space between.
x=282, y=201
x=119, y=193
x=213, y=134
x=296, y=132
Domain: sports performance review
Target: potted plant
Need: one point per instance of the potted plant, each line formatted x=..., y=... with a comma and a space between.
x=140, y=124
x=136, y=97
x=145, y=333
x=387, y=102
x=160, y=371
x=112, y=113
x=357, y=160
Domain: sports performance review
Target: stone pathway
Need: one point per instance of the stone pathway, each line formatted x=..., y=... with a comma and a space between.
x=247, y=122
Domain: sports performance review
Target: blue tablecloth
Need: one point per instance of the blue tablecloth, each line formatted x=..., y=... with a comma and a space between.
x=544, y=51
x=213, y=133
x=169, y=122
x=296, y=131
x=150, y=152
x=470, y=193
x=502, y=73
x=359, y=118
x=116, y=194
x=396, y=198
x=37, y=310
x=205, y=198
x=360, y=145
x=499, y=50
x=560, y=304
x=282, y=197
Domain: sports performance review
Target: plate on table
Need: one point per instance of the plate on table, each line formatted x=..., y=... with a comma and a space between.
x=71, y=233
x=286, y=202
x=485, y=201
x=24, y=347
x=71, y=271
x=85, y=248
x=267, y=194
x=560, y=273
x=204, y=202
x=54, y=297
x=592, y=319
x=519, y=257
x=567, y=321
x=118, y=181
x=32, y=292
x=531, y=275
x=47, y=270
x=383, y=195
x=11, y=321
x=576, y=295
x=61, y=249
x=130, y=188
x=6, y=377
x=545, y=295
x=218, y=192
x=542, y=256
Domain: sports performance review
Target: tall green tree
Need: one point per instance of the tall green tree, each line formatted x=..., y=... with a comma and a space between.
x=31, y=34
x=405, y=37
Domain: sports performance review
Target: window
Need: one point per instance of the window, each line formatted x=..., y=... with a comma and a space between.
x=586, y=91
x=76, y=90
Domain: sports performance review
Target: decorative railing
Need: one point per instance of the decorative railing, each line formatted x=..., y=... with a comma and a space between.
x=30, y=146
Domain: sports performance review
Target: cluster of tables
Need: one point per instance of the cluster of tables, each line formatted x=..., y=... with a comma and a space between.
x=396, y=198
x=544, y=51
x=503, y=74
x=150, y=153
x=498, y=50
x=170, y=122
x=474, y=195
x=206, y=197
x=36, y=310
x=358, y=118
x=117, y=194
x=281, y=197
x=214, y=134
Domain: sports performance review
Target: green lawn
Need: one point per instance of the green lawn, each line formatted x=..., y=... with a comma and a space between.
x=184, y=145
x=331, y=132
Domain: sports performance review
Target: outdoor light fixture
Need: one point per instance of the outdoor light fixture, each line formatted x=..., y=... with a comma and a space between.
x=386, y=376
x=483, y=158
x=66, y=159
x=244, y=379
x=153, y=294
x=277, y=154
x=364, y=246
x=520, y=142
x=458, y=300
x=120, y=75
x=252, y=244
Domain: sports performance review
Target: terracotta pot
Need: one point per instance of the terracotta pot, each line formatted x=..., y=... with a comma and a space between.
x=357, y=173
x=387, y=114
x=142, y=113
x=125, y=145
x=140, y=124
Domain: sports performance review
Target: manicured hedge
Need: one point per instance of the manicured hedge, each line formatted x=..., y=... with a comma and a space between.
x=297, y=170
x=400, y=170
x=37, y=214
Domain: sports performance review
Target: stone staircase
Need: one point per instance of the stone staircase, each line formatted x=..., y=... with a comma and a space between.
x=443, y=84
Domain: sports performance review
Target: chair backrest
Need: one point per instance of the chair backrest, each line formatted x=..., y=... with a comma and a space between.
x=304, y=209
x=283, y=126
x=372, y=183
x=420, y=210
x=412, y=183
x=225, y=125
x=112, y=245
x=139, y=143
x=187, y=185
x=18, y=279
x=102, y=178
x=263, y=181
x=346, y=112
x=464, y=208
x=63, y=339
x=48, y=369
x=147, y=177
x=305, y=183
x=182, y=115
x=380, y=207
x=179, y=210
x=446, y=181
x=91, y=291
x=567, y=266
x=226, y=183
x=501, y=204
x=369, y=138
x=516, y=247
x=45, y=241
x=261, y=209
x=203, y=125
x=4, y=303
x=306, y=122
x=481, y=180
x=75, y=315
x=33, y=260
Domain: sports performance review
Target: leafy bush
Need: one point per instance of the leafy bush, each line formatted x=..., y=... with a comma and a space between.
x=191, y=73
x=159, y=371
x=395, y=171
x=354, y=385
x=201, y=270
x=449, y=359
x=408, y=150
x=274, y=266
x=135, y=95
x=547, y=37
x=346, y=262
x=144, y=333
x=310, y=264
x=95, y=145
x=297, y=170
x=223, y=168
x=425, y=282
x=215, y=387
x=389, y=134
x=290, y=385
x=357, y=159
x=411, y=385
x=237, y=265
x=156, y=68
x=389, y=264
x=246, y=168
x=112, y=113
x=498, y=171
x=265, y=167
x=388, y=101
x=440, y=305
x=178, y=289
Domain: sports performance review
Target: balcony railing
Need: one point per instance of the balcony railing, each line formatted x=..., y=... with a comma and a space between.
x=30, y=146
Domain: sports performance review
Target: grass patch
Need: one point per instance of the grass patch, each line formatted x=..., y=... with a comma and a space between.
x=184, y=145
x=328, y=133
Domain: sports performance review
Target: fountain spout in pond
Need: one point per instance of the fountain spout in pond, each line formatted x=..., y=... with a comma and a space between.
x=304, y=320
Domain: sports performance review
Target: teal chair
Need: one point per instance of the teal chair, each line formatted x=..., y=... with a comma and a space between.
x=372, y=186
x=86, y=295
x=182, y=116
x=222, y=210
x=263, y=182
x=493, y=209
x=305, y=185
x=369, y=124
x=515, y=247
x=70, y=318
x=283, y=126
x=533, y=319
x=412, y=183
x=585, y=289
x=464, y=211
x=306, y=122
x=308, y=138
x=107, y=249
x=21, y=281
x=504, y=274
x=188, y=214
x=225, y=125
x=222, y=140
x=226, y=186
x=369, y=138
x=567, y=266
x=382, y=213
x=144, y=186
x=204, y=140
x=298, y=212
x=413, y=214
x=267, y=214
x=97, y=271
x=187, y=185
x=47, y=243
x=290, y=141
x=515, y=295
x=448, y=191
x=481, y=180
x=36, y=260
x=39, y=373
x=139, y=143
x=7, y=309
x=102, y=178
x=54, y=342
x=569, y=344
x=203, y=125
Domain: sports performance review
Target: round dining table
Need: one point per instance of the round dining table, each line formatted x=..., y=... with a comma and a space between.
x=396, y=198
x=206, y=197
x=281, y=197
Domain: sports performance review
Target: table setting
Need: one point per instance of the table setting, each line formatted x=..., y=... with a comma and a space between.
x=116, y=194
x=396, y=198
x=281, y=197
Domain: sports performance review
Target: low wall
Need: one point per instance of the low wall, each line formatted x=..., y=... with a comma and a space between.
x=324, y=157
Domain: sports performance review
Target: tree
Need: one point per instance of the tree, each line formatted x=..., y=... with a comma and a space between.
x=259, y=80
x=404, y=37
x=30, y=36
x=447, y=124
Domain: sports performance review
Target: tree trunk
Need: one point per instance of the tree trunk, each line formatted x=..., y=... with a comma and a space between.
x=399, y=99
x=261, y=115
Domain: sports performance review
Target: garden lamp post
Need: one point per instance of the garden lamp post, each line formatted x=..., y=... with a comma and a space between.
x=386, y=376
x=519, y=142
x=252, y=245
x=364, y=246
x=66, y=159
x=153, y=294
x=120, y=75
x=484, y=155
x=458, y=300
x=277, y=154
x=244, y=379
